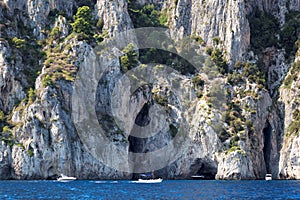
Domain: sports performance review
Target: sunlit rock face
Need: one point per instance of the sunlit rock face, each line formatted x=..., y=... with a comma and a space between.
x=289, y=158
x=35, y=14
x=209, y=19
x=45, y=139
x=114, y=15
x=11, y=79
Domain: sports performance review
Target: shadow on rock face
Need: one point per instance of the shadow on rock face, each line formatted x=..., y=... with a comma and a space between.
x=204, y=167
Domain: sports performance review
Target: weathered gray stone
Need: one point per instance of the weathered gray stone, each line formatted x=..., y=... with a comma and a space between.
x=49, y=143
x=290, y=152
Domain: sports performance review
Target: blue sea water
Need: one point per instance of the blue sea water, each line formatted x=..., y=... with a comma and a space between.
x=168, y=189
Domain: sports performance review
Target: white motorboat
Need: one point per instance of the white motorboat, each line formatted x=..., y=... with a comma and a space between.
x=158, y=180
x=196, y=177
x=64, y=178
x=268, y=177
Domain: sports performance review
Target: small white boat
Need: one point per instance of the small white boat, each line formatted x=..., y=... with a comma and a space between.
x=198, y=177
x=159, y=180
x=268, y=177
x=64, y=178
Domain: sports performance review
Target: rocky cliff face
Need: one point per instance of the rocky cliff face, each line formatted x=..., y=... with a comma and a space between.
x=253, y=132
x=114, y=15
x=35, y=14
x=228, y=22
x=44, y=140
x=289, y=93
x=10, y=79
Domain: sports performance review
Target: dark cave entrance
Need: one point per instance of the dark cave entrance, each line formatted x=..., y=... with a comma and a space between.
x=143, y=119
x=136, y=144
x=150, y=142
x=267, y=131
x=204, y=167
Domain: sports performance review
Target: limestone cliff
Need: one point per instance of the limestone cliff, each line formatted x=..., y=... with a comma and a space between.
x=227, y=21
x=44, y=140
x=250, y=131
x=289, y=94
x=35, y=14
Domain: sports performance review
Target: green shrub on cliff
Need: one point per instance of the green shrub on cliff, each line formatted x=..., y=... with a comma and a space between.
x=219, y=59
x=235, y=78
x=264, y=28
x=221, y=132
x=198, y=39
x=292, y=75
x=247, y=70
x=83, y=21
x=130, y=59
x=254, y=73
x=2, y=116
x=30, y=152
x=294, y=126
x=2, y=119
x=31, y=95
x=290, y=32
x=47, y=81
x=55, y=32
x=7, y=136
x=198, y=82
x=160, y=99
x=146, y=16
x=19, y=43
x=153, y=55
x=32, y=54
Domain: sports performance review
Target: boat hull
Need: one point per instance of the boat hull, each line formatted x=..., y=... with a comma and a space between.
x=148, y=181
x=198, y=177
x=268, y=177
x=64, y=178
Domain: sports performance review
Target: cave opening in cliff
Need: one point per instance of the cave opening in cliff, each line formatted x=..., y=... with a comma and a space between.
x=204, y=167
x=144, y=143
x=136, y=144
x=267, y=131
x=143, y=119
